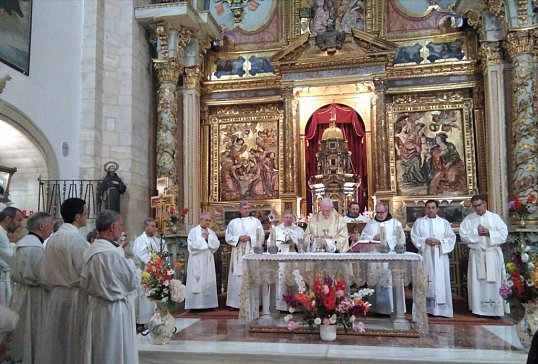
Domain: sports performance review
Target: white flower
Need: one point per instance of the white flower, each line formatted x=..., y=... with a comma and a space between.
x=352, y=318
x=171, y=272
x=292, y=309
x=525, y=258
x=287, y=318
x=166, y=283
x=527, y=249
x=296, y=272
x=177, y=290
x=531, y=265
x=332, y=319
x=317, y=321
x=509, y=283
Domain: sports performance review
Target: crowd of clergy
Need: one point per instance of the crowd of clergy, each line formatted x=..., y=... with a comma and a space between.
x=84, y=303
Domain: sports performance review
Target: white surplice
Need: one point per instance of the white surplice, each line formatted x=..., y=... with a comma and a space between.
x=486, y=263
x=382, y=300
x=62, y=264
x=6, y=255
x=30, y=299
x=294, y=233
x=436, y=262
x=143, y=246
x=240, y=226
x=112, y=282
x=201, y=275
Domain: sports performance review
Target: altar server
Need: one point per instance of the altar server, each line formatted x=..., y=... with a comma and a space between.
x=10, y=221
x=327, y=229
x=435, y=239
x=242, y=234
x=485, y=232
x=111, y=281
x=201, y=277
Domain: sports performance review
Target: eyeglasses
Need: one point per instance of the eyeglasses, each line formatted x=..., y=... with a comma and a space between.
x=475, y=206
x=381, y=212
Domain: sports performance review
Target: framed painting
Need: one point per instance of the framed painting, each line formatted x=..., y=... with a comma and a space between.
x=246, y=156
x=408, y=211
x=433, y=148
x=223, y=213
x=15, y=27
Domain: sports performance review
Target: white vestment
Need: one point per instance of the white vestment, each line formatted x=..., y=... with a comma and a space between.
x=201, y=276
x=29, y=299
x=282, y=232
x=6, y=254
x=112, y=282
x=359, y=218
x=382, y=300
x=436, y=262
x=486, y=263
x=240, y=226
x=143, y=246
x=334, y=227
x=62, y=263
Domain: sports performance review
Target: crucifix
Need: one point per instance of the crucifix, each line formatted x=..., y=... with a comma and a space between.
x=162, y=205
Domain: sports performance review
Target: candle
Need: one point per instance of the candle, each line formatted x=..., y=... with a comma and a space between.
x=400, y=235
x=273, y=236
x=382, y=234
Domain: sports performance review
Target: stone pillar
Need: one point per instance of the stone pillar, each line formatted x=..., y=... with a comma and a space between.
x=192, y=186
x=383, y=181
x=520, y=46
x=497, y=164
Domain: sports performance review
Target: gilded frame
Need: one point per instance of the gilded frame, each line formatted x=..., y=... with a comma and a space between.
x=242, y=118
x=439, y=184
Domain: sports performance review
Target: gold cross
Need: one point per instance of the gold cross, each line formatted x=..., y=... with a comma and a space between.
x=162, y=204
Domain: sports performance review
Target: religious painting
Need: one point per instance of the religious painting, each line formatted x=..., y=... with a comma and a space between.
x=408, y=54
x=249, y=15
x=246, y=158
x=229, y=67
x=407, y=212
x=446, y=50
x=222, y=214
x=15, y=27
x=343, y=16
x=260, y=65
x=434, y=149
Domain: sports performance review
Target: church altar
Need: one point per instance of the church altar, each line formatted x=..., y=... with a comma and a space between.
x=265, y=269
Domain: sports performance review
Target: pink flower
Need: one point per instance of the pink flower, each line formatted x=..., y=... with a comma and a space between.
x=339, y=293
x=326, y=321
x=292, y=325
x=358, y=327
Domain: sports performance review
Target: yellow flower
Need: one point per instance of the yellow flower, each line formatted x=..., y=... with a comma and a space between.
x=511, y=267
x=145, y=275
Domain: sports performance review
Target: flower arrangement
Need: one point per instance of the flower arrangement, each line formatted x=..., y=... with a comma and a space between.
x=520, y=285
x=326, y=302
x=158, y=283
x=523, y=208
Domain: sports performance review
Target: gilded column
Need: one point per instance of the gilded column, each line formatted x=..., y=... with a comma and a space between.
x=191, y=144
x=520, y=46
x=497, y=164
x=290, y=140
x=170, y=44
x=384, y=183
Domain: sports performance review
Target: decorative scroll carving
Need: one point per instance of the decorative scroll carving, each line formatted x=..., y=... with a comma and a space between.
x=168, y=71
x=288, y=137
x=522, y=14
x=443, y=69
x=518, y=43
x=490, y=53
x=408, y=98
x=473, y=19
x=192, y=78
x=497, y=8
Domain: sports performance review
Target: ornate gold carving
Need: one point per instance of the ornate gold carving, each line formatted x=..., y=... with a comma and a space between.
x=441, y=69
x=167, y=133
x=409, y=98
x=490, y=53
x=161, y=33
x=204, y=46
x=522, y=14
x=473, y=19
x=288, y=142
x=497, y=8
x=518, y=43
x=482, y=138
x=252, y=84
x=192, y=78
x=383, y=150
x=168, y=71
x=3, y=81
x=163, y=30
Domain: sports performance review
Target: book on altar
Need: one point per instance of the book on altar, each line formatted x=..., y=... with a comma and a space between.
x=355, y=227
x=364, y=246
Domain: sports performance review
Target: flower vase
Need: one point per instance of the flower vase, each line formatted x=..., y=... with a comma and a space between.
x=522, y=222
x=526, y=328
x=162, y=325
x=327, y=332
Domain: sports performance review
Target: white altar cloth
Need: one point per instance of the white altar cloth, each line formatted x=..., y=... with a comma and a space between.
x=260, y=269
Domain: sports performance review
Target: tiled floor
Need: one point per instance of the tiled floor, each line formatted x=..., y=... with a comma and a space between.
x=229, y=341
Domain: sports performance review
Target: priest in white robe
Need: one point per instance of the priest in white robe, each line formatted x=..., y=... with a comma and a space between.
x=201, y=288
x=10, y=221
x=435, y=240
x=382, y=300
x=484, y=232
x=285, y=233
x=29, y=298
x=147, y=242
x=111, y=281
x=327, y=230
x=242, y=234
x=62, y=263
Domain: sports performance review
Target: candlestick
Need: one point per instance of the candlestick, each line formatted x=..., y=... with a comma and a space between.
x=384, y=247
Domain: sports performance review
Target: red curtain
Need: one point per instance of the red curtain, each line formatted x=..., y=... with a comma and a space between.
x=352, y=126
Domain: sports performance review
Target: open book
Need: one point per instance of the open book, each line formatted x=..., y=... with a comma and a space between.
x=364, y=246
x=355, y=227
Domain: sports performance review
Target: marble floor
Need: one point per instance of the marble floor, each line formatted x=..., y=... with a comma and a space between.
x=229, y=341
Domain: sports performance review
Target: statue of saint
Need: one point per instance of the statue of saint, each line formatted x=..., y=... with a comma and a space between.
x=112, y=187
